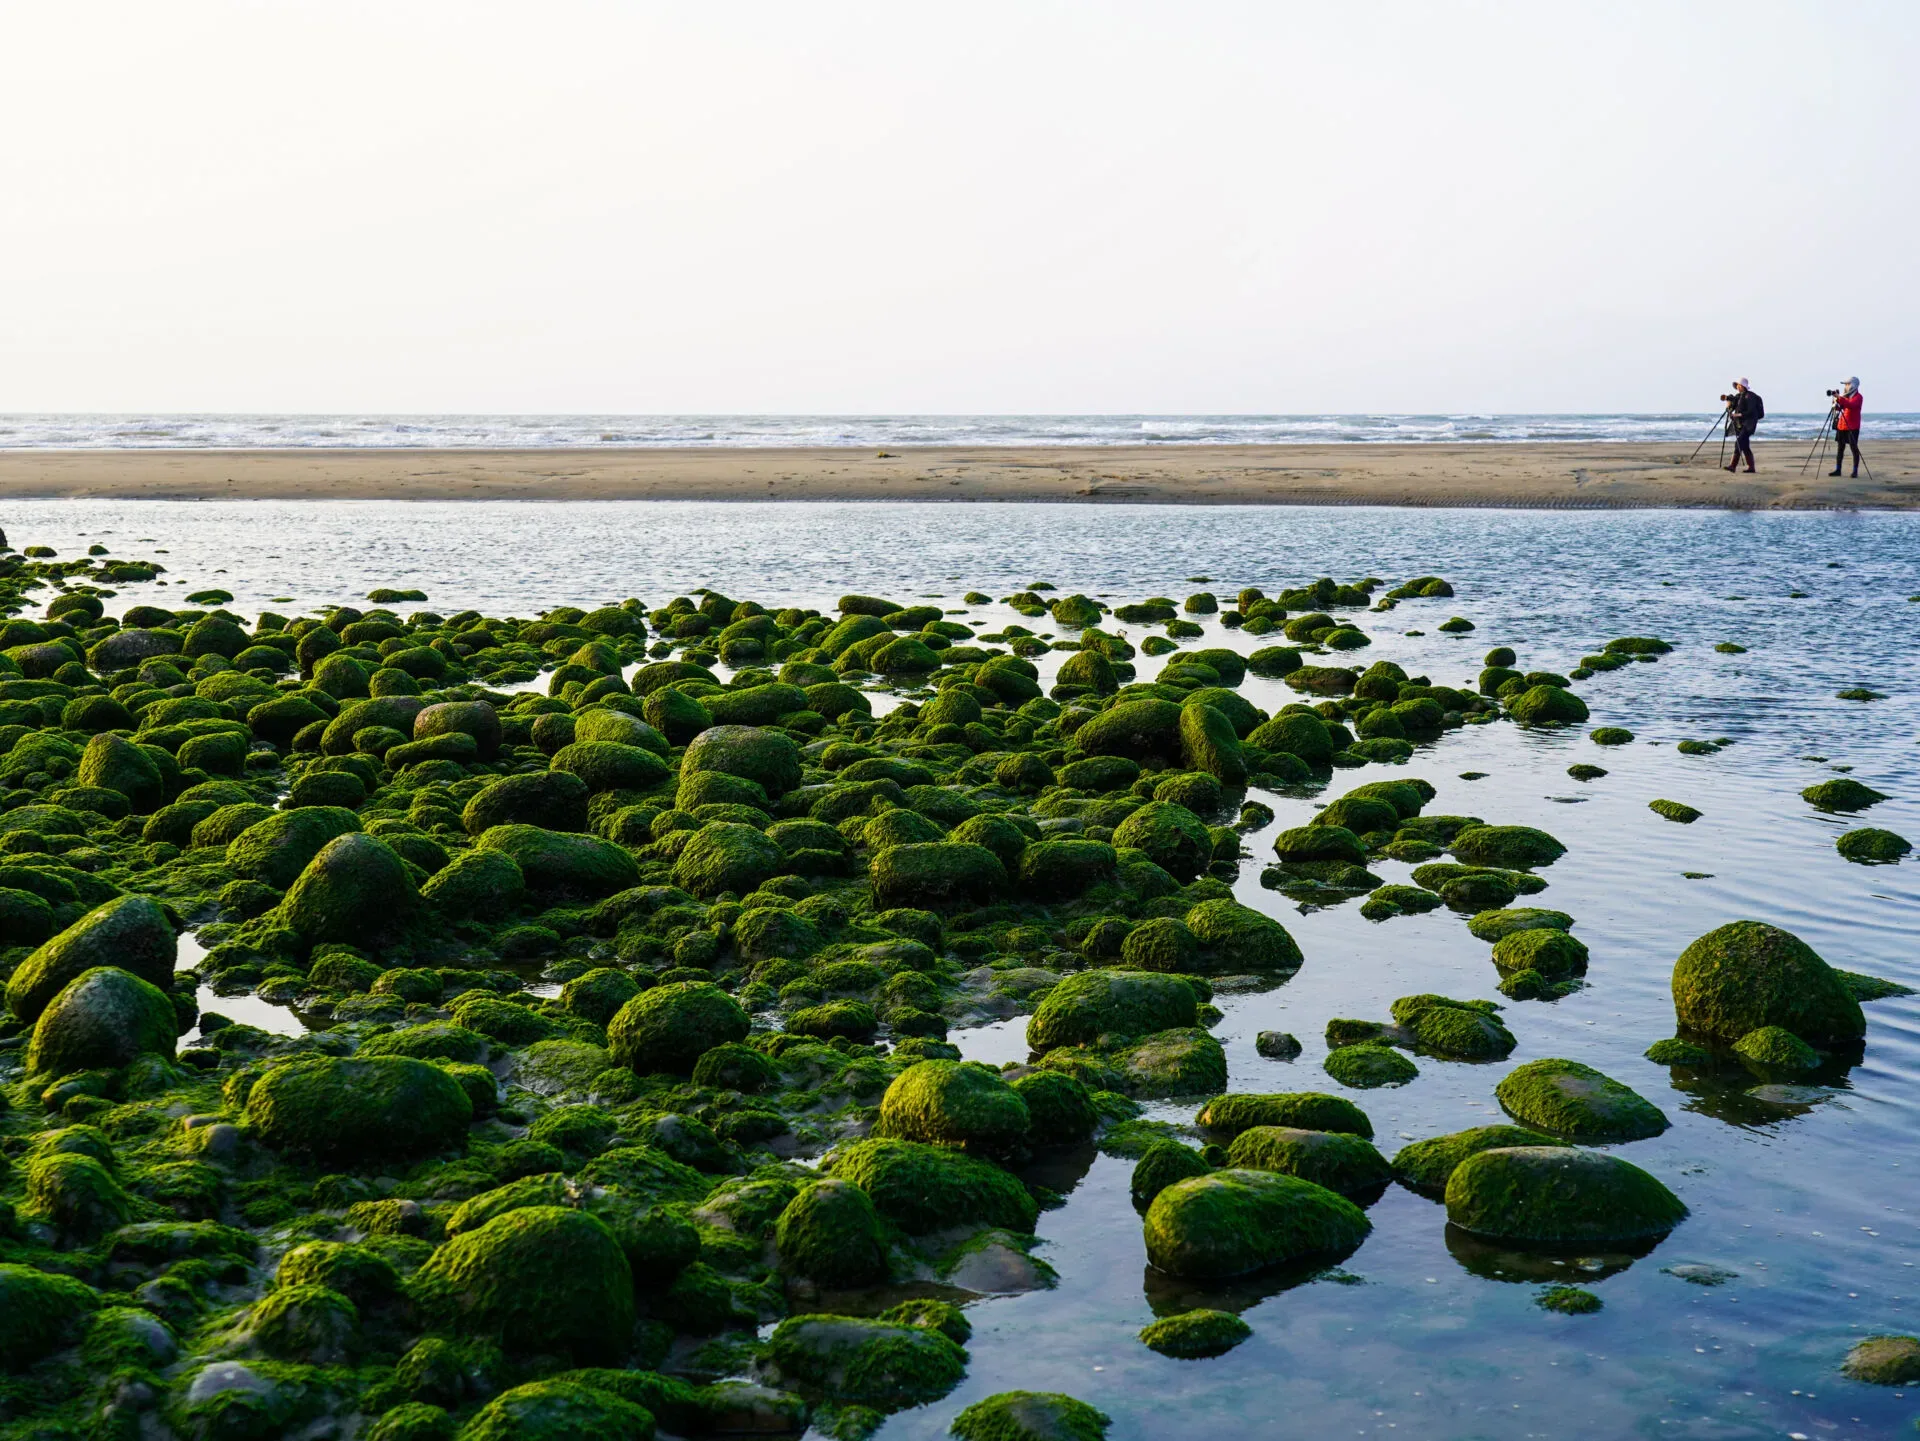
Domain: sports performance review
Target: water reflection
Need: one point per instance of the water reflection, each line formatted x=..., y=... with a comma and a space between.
x=1503, y=1261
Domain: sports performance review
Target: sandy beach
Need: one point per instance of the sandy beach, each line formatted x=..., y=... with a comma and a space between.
x=1500, y=475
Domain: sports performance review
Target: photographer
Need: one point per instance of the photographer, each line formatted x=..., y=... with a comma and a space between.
x=1846, y=424
x=1744, y=414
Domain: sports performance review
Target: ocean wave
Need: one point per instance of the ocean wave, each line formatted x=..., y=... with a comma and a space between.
x=542, y=432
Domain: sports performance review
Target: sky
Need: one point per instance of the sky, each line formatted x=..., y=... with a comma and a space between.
x=1032, y=207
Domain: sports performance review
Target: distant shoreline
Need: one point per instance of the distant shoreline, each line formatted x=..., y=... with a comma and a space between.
x=1517, y=474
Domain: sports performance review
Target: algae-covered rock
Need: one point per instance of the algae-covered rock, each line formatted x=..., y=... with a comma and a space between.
x=1340, y=1162
x=556, y=1410
x=1231, y=1223
x=953, y=1103
x=117, y=764
x=765, y=756
x=40, y=1313
x=1365, y=1067
x=1458, y=1030
x=103, y=1019
x=1494, y=926
x=1426, y=1166
x=831, y=1234
x=922, y=1188
x=355, y=890
x=1884, y=1360
x=1084, y=1007
x=1567, y=1098
x=668, y=1028
x=1546, y=949
x=1173, y=838
x=476, y=885
x=537, y=1279
x=935, y=875
x=1748, y=974
x=1061, y=869
x=1159, y=1166
x=727, y=856
x=130, y=933
x=1543, y=705
x=552, y=800
x=1557, y=1195
x=1238, y=938
x=1777, y=1048
x=1870, y=846
x=1228, y=1116
x=1308, y=844
x=1843, y=794
x=1507, y=847
x=1031, y=1416
x=1139, y=730
x=1060, y=1110
x=355, y=1109
x=1194, y=1335
x=276, y=850
x=564, y=864
x=866, y=1363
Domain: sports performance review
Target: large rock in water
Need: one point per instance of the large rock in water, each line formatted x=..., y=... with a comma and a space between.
x=1558, y=1195
x=130, y=932
x=1084, y=1007
x=539, y=1279
x=1748, y=974
x=277, y=849
x=1232, y=1223
x=360, y=1108
x=117, y=764
x=1575, y=1101
x=356, y=890
x=104, y=1019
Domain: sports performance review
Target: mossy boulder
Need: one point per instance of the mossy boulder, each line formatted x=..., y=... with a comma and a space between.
x=609, y=765
x=1365, y=1067
x=1426, y=1166
x=1031, y=1416
x=1195, y=1335
x=668, y=1028
x=1573, y=1100
x=1340, y=1162
x=552, y=800
x=117, y=764
x=1493, y=926
x=1884, y=1360
x=355, y=890
x=1748, y=974
x=1236, y=938
x=858, y=1362
x=1317, y=844
x=1548, y=950
x=1869, y=846
x=476, y=885
x=1173, y=838
x=1236, y=1222
x=276, y=850
x=1457, y=1030
x=727, y=856
x=1056, y=870
x=538, y=1279
x=953, y=1103
x=103, y=1019
x=1084, y=1007
x=563, y=864
x=357, y=1109
x=936, y=875
x=1139, y=730
x=130, y=933
x=1159, y=1166
x=1228, y=1116
x=559, y=1409
x=476, y=718
x=1558, y=1196
x=1507, y=847
x=765, y=756
x=40, y=1313
x=1843, y=794
x=1776, y=1048
x=830, y=1234
x=1547, y=705
x=1161, y=944
x=922, y=1188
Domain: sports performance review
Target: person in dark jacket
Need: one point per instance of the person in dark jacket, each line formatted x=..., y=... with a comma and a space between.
x=1744, y=413
x=1846, y=425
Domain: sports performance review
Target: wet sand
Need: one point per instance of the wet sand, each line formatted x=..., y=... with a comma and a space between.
x=1502, y=475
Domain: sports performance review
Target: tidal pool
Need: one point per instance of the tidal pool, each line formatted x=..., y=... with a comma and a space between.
x=1802, y=1197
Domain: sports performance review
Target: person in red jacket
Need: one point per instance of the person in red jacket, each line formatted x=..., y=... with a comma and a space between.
x=1846, y=425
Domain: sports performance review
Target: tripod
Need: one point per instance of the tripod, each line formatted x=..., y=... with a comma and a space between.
x=1820, y=441
x=1719, y=425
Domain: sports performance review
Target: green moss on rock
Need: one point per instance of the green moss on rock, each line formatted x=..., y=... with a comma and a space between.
x=1748, y=974
x=1573, y=1100
x=1557, y=1195
x=355, y=1109
x=1232, y=1223
x=668, y=1028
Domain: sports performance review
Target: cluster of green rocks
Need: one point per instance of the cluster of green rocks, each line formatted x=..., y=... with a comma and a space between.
x=626, y=990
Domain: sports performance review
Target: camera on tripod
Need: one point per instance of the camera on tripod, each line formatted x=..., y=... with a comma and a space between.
x=1833, y=395
x=1729, y=399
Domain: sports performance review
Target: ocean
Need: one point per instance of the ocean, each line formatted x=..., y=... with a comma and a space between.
x=540, y=432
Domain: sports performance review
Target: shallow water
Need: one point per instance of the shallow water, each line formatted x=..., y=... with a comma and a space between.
x=1809, y=1204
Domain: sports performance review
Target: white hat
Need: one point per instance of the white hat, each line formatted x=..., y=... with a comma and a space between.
x=1742, y=383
